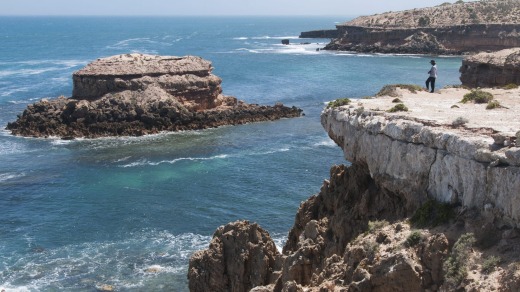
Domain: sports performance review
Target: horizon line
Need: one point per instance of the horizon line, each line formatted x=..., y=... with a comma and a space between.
x=174, y=15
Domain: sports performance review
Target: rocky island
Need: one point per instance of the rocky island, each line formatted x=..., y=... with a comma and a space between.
x=458, y=28
x=136, y=94
x=430, y=202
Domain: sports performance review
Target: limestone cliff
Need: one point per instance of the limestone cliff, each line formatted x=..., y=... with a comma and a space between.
x=355, y=235
x=491, y=69
x=136, y=94
x=444, y=29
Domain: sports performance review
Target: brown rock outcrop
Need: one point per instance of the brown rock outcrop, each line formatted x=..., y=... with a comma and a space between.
x=240, y=256
x=135, y=94
x=491, y=69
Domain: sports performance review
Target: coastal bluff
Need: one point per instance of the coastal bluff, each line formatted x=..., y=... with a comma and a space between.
x=449, y=28
x=500, y=68
x=421, y=184
x=138, y=94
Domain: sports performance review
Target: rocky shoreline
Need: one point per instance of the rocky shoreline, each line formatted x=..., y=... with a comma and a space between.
x=136, y=94
x=430, y=203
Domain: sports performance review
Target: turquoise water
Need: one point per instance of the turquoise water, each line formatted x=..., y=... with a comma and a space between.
x=128, y=212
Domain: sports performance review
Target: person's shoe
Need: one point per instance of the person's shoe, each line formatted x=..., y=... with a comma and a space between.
x=431, y=91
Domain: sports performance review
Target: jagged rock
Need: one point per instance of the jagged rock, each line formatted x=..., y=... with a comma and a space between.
x=491, y=69
x=135, y=94
x=240, y=256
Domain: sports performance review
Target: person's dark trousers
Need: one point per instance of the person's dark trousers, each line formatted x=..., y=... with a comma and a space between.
x=432, y=81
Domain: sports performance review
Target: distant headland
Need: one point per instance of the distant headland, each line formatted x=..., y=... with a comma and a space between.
x=449, y=29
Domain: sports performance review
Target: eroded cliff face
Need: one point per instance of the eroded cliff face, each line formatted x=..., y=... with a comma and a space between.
x=136, y=94
x=444, y=29
x=419, y=159
x=455, y=39
x=491, y=69
x=356, y=234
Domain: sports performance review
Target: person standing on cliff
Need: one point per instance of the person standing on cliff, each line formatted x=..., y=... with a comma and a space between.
x=433, y=76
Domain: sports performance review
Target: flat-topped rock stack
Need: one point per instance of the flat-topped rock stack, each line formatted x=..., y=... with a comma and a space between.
x=136, y=94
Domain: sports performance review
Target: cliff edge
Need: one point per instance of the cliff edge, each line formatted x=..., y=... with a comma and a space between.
x=136, y=94
x=429, y=203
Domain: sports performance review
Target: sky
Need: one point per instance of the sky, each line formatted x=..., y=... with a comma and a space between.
x=209, y=7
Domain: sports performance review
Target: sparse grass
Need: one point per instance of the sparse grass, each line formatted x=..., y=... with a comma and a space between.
x=396, y=100
x=477, y=96
x=456, y=266
x=490, y=264
x=511, y=86
x=371, y=248
x=460, y=121
x=400, y=107
x=373, y=226
x=390, y=90
x=493, y=105
x=432, y=213
x=339, y=102
x=414, y=238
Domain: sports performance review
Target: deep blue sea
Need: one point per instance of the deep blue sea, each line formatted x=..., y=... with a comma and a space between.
x=128, y=212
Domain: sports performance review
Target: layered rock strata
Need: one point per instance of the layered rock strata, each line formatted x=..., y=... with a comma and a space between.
x=445, y=29
x=420, y=154
x=136, y=94
x=491, y=69
x=354, y=235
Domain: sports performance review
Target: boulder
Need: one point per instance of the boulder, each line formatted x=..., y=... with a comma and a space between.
x=240, y=256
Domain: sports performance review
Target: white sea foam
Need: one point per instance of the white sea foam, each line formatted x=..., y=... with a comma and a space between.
x=134, y=262
x=275, y=37
x=10, y=175
x=241, y=38
x=145, y=162
x=326, y=143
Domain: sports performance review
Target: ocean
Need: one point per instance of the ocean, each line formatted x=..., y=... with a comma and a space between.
x=128, y=212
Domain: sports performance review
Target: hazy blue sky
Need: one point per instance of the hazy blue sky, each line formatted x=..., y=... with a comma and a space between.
x=209, y=7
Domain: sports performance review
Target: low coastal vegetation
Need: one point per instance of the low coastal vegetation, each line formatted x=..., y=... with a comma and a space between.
x=391, y=89
x=414, y=238
x=511, y=86
x=493, y=104
x=396, y=100
x=456, y=266
x=400, y=107
x=477, y=96
x=490, y=264
x=432, y=213
x=339, y=102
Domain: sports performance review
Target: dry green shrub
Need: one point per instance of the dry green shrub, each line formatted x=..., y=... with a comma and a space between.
x=456, y=265
x=493, y=104
x=510, y=86
x=400, y=107
x=390, y=90
x=477, y=96
x=376, y=225
x=339, y=102
x=490, y=264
